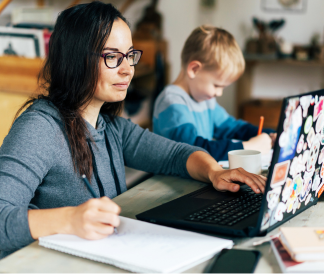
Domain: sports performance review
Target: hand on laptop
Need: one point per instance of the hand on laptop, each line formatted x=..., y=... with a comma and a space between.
x=260, y=142
x=223, y=180
x=202, y=167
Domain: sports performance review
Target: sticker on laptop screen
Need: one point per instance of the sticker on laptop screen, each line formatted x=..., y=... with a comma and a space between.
x=288, y=189
x=300, y=144
x=279, y=174
x=290, y=136
x=319, y=123
x=305, y=103
x=273, y=197
x=320, y=190
x=308, y=124
x=313, y=154
x=281, y=208
x=318, y=108
x=310, y=137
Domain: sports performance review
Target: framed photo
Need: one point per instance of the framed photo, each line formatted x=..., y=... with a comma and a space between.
x=292, y=6
x=27, y=43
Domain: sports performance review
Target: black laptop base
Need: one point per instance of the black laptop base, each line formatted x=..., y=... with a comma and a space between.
x=198, y=210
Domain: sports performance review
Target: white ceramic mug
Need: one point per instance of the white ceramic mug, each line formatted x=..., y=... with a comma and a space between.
x=250, y=160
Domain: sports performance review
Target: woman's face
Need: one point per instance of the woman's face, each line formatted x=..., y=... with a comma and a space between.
x=113, y=83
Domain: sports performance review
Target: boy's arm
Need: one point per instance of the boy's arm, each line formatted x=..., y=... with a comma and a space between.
x=218, y=149
x=227, y=127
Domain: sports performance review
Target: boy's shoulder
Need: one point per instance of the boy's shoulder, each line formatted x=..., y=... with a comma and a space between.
x=173, y=95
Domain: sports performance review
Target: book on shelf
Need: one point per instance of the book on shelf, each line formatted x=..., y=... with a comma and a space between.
x=303, y=243
x=287, y=264
x=142, y=247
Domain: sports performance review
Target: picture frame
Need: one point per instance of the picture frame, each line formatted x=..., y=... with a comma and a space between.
x=20, y=42
x=284, y=6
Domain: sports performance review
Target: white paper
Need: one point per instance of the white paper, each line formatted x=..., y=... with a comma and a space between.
x=142, y=247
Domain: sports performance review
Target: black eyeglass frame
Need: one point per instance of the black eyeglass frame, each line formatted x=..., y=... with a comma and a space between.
x=121, y=59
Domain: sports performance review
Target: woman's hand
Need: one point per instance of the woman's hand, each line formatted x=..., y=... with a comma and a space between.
x=94, y=219
x=223, y=180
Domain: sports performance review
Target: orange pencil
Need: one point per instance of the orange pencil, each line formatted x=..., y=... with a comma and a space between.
x=260, y=125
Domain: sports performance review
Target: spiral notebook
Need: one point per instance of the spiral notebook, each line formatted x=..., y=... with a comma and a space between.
x=142, y=247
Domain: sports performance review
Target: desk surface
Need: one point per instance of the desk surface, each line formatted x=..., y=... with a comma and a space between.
x=152, y=192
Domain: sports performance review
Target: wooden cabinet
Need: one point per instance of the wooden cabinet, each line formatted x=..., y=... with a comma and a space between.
x=18, y=81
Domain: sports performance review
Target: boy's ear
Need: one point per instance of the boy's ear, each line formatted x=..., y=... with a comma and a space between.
x=193, y=68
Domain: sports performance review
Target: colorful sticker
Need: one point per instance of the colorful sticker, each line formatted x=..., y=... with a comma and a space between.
x=288, y=189
x=310, y=137
x=273, y=197
x=295, y=206
x=297, y=166
x=321, y=157
x=319, y=123
x=300, y=144
x=281, y=208
x=308, y=124
x=313, y=154
x=316, y=181
x=313, y=101
x=308, y=199
x=289, y=137
x=266, y=219
x=318, y=109
x=305, y=146
x=305, y=103
x=273, y=217
x=280, y=173
x=298, y=184
x=306, y=188
x=322, y=171
x=290, y=203
x=318, y=189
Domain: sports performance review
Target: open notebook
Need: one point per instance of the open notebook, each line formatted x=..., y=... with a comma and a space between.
x=142, y=247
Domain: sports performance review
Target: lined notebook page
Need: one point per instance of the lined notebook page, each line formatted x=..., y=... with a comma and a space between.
x=142, y=247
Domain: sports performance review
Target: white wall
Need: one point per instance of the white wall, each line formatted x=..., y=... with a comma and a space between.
x=181, y=16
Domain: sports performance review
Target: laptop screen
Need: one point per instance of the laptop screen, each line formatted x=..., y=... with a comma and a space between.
x=297, y=168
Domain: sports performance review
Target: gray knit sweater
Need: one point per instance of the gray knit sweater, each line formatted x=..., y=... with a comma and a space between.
x=36, y=169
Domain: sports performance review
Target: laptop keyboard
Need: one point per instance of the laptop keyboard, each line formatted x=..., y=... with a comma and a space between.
x=228, y=213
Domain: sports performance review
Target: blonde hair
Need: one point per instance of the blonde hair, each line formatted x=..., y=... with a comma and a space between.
x=215, y=48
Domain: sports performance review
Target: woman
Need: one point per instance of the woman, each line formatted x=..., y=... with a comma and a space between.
x=74, y=130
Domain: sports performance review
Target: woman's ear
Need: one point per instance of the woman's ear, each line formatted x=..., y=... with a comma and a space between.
x=193, y=68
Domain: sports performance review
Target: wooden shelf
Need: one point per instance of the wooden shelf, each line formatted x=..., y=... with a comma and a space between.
x=293, y=62
x=19, y=75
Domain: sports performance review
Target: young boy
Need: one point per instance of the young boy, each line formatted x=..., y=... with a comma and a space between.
x=187, y=111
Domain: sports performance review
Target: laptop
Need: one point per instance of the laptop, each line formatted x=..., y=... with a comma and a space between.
x=295, y=181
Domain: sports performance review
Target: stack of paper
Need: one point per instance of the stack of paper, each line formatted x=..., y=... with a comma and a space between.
x=142, y=247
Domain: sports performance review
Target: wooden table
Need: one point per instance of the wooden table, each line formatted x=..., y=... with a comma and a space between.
x=152, y=192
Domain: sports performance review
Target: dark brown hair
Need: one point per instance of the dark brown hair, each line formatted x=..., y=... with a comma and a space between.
x=71, y=71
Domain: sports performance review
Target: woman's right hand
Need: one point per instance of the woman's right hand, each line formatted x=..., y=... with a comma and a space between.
x=94, y=219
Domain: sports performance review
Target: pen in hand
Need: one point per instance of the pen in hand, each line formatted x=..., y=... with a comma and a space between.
x=85, y=180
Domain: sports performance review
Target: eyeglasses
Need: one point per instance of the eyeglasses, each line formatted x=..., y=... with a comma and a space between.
x=114, y=59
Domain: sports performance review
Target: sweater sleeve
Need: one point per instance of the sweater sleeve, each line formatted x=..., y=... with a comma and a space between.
x=227, y=127
x=26, y=155
x=219, y=148
x=150, y=152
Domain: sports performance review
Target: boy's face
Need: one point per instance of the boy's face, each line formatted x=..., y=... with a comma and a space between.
x=207, y=84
